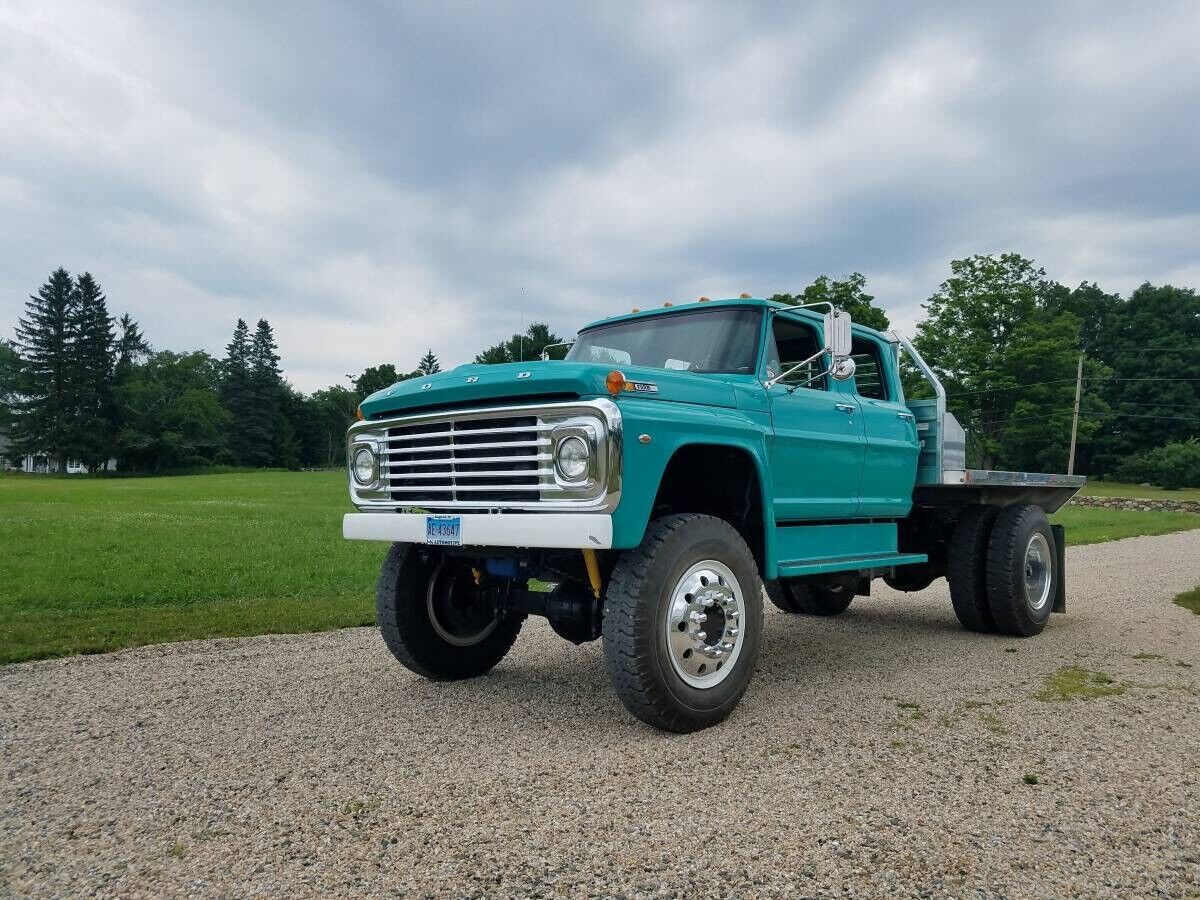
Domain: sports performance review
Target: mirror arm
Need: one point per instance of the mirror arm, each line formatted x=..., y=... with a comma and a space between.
x=792, y=387
x=771, y=382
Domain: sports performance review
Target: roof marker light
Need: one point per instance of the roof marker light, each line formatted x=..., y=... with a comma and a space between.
x=705, y=299
x=744, y=296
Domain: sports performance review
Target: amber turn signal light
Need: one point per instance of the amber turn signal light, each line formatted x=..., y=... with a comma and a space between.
x=615, y=382
x=358, y=414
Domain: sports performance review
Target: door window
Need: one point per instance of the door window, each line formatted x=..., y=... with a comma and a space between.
x=869, y=377
x=792, y=342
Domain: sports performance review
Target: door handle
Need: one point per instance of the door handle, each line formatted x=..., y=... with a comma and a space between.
x=907, y=417
x=845, y=407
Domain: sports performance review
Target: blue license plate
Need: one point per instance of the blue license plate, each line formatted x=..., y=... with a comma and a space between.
x=445, y=530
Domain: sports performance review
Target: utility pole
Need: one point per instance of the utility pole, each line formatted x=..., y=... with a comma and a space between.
x=1075, y=418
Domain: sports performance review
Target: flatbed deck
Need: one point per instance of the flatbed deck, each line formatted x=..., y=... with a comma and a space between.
x=997, y=488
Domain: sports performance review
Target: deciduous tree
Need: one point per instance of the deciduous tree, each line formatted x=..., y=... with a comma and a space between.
x=375, y=378
x=1152, y=346
x=170, y=411
x=849, y=293
x=970, y=324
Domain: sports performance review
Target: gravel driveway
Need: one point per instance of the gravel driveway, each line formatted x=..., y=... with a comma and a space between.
x=885, y=752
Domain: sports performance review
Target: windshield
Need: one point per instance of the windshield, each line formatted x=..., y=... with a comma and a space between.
x=721, y=340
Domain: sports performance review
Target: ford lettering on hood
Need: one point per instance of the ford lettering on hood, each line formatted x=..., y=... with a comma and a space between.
x=486, y=385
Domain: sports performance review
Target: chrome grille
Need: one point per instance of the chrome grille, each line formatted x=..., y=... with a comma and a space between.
x=497, y=458
x=502, y=459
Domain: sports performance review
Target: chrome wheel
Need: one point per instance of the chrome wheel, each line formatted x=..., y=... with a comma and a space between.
x=458, y=612
x=704, y=623
x=1038, y=571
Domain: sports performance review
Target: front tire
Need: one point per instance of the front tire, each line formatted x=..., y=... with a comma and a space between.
x=436, y=620
x=667, y=661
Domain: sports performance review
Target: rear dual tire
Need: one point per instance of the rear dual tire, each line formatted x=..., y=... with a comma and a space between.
x=795, y=598
x=1003, y=570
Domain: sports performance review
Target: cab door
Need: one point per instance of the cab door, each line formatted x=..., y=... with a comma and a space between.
x=892, y=446
x=818, y=447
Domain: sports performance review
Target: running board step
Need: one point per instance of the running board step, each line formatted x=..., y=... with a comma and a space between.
x=849, y=563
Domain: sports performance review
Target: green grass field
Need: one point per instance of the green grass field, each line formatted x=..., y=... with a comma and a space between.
x=92, y=564
x=96, y=564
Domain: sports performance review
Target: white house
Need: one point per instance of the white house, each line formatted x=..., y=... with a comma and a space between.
x=41, y=462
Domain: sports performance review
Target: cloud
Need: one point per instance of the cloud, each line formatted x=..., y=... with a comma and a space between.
x=387, y=178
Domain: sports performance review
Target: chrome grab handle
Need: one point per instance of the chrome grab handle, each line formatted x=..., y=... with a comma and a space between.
x=845, y=407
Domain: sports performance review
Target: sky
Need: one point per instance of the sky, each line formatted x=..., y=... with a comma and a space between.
x=377, y=179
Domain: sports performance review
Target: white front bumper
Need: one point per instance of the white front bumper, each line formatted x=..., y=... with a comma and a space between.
x=543, y=530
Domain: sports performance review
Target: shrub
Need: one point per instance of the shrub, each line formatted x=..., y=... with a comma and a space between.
x=1171, y=466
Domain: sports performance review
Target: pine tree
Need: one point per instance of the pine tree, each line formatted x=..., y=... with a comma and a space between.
x=44, y=339
x=237, y=397
x=132, y=346
x=10, y=374
x=92, y=373
x=429, y=363
x=266, y=389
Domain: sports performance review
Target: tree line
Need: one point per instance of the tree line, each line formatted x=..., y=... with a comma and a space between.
x=1005, y=339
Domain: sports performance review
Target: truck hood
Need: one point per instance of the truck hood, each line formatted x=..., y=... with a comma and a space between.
x=473, y=385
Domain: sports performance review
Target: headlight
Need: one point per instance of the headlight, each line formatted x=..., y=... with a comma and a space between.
x=571, y=457
x=363, y=466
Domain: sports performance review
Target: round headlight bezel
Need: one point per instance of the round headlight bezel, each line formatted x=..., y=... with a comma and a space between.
x=582, y=459
x=372, y=466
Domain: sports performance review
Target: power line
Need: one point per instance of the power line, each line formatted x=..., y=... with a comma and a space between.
x=1017, y=387
x=1021, y=387
x=1001, y=419
x=1162, y=349
x=1154, y=405
x=1144, y=416
x=1111, y=378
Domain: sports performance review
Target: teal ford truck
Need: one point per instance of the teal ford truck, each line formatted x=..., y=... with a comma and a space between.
x=676, y=466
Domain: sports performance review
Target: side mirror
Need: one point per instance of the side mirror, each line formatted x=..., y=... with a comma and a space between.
x=546, y=350
x=837, y=334
x=843, y=369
